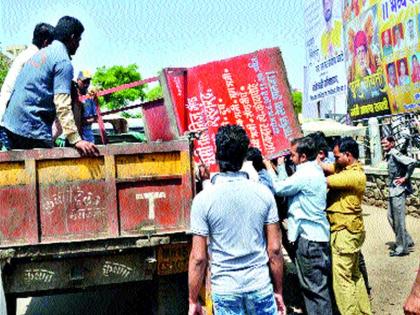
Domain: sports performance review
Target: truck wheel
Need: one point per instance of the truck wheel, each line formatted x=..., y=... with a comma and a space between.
x=11, y=302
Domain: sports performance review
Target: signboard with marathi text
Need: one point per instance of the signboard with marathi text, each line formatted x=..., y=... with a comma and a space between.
x=366, y=83
x=399, y=29
x=326, y=72
x=250, y=90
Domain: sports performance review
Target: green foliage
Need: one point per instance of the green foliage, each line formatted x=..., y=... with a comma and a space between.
x=297, y=101
x=106, y=78
x=129, y=115
x=4, y=67
x=154, y=93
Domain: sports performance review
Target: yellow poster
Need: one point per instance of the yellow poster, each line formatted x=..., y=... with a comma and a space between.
x=366, y=94
x=354, y=8
x=399, y=30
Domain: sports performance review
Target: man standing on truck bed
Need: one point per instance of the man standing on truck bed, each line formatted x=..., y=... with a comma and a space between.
x=42, y=37
x=43, y=92
x=240, y=219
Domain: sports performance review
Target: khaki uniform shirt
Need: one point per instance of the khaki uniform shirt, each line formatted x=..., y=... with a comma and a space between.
x=345, y=198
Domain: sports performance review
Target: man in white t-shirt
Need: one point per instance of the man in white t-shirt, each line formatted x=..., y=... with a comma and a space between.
x=43, y=36
x=237, y=220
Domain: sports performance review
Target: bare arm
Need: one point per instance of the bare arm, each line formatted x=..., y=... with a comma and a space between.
x=196, y=270
x=412, y=304
x=275, y=263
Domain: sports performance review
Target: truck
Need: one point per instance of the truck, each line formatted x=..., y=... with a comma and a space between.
x=71, y=223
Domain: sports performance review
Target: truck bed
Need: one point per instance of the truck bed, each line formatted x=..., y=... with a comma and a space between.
x=130, y=190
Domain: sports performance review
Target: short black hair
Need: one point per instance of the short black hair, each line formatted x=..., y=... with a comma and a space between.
x=390, y=138
x=348, y=144
x=320, y=142
x=306, y=146
x=231, y=147
x=66, y=27
x=295, y=141
x=43, y=32
x=254, y=155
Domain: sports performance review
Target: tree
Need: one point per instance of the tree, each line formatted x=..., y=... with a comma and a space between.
x=106, y=78
x=297, y=101
x=4, y=66
x=154, y=93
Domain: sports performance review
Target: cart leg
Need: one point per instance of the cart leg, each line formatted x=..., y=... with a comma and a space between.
x=11, y=303
x=172, y=294
x=3, y=309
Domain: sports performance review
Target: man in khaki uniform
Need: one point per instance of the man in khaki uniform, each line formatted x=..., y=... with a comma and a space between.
x=347, y=186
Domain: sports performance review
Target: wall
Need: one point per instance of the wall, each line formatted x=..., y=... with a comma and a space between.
x=377, y=190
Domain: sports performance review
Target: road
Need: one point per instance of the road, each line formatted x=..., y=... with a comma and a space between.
x=390, y=277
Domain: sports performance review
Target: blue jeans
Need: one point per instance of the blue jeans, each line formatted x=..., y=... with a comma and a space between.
x=259, y=302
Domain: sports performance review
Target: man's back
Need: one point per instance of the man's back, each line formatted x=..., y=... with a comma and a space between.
x=233, y=212
x=31, y=110
x=310, y=202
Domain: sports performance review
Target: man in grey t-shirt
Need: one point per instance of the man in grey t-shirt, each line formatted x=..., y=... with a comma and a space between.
x=239, y=218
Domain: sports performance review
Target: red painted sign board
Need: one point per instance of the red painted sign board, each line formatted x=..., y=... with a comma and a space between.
x=74, y=211
x=154, y=206
x=250, y=90
x=17, y=217
x=155, y=114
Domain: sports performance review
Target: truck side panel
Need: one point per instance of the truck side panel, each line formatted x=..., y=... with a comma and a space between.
x=54, y=195
x=18, y=212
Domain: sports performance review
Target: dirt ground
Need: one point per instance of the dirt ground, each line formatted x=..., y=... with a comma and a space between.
x=390, y=277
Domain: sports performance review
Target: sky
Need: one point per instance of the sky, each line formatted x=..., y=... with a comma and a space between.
x=172, y=33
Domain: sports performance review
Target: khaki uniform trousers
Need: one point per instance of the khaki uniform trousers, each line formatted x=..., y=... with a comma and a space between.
x=348, y=284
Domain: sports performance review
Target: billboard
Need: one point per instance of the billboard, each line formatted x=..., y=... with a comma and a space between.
x=250, y=90
x=399, y=29
x=366, y=96
x=354, y=8
x=325, y=74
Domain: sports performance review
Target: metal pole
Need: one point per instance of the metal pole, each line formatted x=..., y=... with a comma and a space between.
x=375, y=141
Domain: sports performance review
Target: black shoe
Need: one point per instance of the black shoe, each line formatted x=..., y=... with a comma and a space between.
x=397, y=254
x=411, y=245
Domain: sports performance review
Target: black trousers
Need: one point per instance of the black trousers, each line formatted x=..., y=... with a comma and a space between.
x=23, y=143
x=313, y=264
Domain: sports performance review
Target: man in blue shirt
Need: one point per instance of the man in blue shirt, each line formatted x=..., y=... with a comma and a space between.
x=308, y=226
x=43, y=92
x=239, y=218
